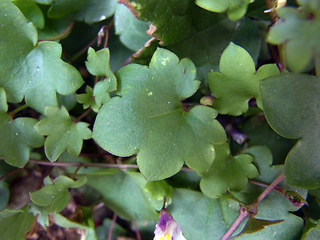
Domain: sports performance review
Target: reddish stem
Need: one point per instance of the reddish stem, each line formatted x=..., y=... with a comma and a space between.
x=112, y=226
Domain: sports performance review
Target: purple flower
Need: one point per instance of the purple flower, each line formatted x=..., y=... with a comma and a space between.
x=167, y=228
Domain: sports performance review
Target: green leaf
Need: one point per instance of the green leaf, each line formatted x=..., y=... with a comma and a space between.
x=147, y=119
x=66, y=223
x=131, y=30
x=124, y=193
x=172, y=18
x=227, y=173
x=159, y=189
x=88, y=100
x=299, y=33
x=89, y=11
x=55, y=197
x=235, y=9
x=95, y=10
x=290, y=103
x=311, y=230
x=203, y=218
x=255, y=225
x=33, y=72
x=41, y=213
x=19, y=134
x=257, y=130
x=31, y=11
x=237, y=81
x=63, y=134
x=15, y=223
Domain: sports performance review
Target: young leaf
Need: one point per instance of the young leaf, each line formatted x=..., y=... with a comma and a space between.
x=290, y=103
x=15, y=223
x=148, y=119
x=124, y=193
x=88, y=100
x=33, y=72
x=132, y=31
x=237, y=81
x=159, y=190
x=98, y=64
x=299, y=33
x=228, y=173
x=55, y=197
x=19, y=136
x=63, y=134
x=235, y=9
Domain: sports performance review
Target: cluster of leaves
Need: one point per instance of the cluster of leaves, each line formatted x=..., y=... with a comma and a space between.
x=186, y=101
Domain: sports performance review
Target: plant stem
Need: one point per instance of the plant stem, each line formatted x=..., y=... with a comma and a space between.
x=243, y=210
x=243, y=214
x=112, y=225
x=269, y=188
x=82, y=115
x=137, y=231
x=18, y=109
x=61, y=35
x=11, y=173
x=85, y=165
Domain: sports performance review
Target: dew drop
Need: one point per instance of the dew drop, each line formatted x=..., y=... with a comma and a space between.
x=150, y=94
x=212, y=149
x=169, y=102
x=29, y=82
x=17, y=134
x=170, y=133
x=38, y=69
x=108, y=123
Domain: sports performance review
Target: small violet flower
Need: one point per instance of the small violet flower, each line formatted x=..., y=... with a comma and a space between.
x=167, y=228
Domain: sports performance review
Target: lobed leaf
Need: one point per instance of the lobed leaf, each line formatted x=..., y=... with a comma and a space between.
x=55, y=197
x=147, y=119
x=228, y=173
x=237, y=82
x=290, y=103
x=299, y=33
x=35, y=72
x=19, y=136
x=63, y=134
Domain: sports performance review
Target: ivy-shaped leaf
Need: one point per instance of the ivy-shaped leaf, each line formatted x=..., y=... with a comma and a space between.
x=88, y=100
x=124, y=193
x=98, y=64
x=290, y=104
x=235, y=9
x=14, y=223
x=159, y=190
x=29, y=70
x=228, y=173
x=55, y=197
x=18, y=136
x=299, y=31
x=132, y=31
x=148, y=119
x=237, y=81
x=63, y=134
